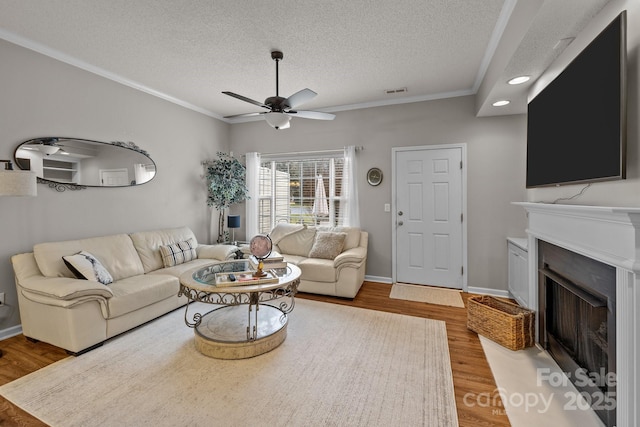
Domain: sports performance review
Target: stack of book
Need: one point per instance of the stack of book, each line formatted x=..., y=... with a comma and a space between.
x=275, y=260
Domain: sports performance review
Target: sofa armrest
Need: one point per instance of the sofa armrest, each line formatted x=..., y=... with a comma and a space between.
x=64, y=288
x=219, y=252
x=57, y=302
x=354, y=256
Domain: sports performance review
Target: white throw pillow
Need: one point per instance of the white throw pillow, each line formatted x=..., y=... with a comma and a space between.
x=85, y=266
x=178, y=253
x=353, y=235
x=327, y=245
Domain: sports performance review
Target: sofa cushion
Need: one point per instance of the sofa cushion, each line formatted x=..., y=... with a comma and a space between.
x=136, y=292
x=318, y=270
x=115, y=252
x=220, y=252
x=85, y=266
x=178, y=253
x=297, y=243
x=148, y=243
x=177, y=270
x=327, y=245
x=353, y=235
x=283, y=229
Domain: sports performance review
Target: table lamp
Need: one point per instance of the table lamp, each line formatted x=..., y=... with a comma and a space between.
x=16, y=183
x=233, y=222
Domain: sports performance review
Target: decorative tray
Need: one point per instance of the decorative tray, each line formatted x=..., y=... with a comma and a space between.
x=244, y=278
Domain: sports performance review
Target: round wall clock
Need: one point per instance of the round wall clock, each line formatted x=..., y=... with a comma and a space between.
x=374, y=176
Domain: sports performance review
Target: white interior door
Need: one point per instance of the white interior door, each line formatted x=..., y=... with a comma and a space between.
x=428, y=186
x=114, y=177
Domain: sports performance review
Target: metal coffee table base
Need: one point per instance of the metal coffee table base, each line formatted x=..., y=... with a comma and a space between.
x=223, y=333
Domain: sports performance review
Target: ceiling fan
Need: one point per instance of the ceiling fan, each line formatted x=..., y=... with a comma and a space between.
x=279, y=109
x=49, y=146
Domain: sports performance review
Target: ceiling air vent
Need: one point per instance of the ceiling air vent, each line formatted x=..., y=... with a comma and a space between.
x=392, y=91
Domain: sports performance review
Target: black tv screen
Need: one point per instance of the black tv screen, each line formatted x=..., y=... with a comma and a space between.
x=576, y=126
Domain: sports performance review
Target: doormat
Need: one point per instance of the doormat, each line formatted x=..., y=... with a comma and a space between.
x=428, y=294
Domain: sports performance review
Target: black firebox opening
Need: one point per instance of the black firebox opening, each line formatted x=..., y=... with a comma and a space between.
x=577, y=323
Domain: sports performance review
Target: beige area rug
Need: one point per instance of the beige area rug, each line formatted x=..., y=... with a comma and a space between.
x=339, y=366
x=428, y=294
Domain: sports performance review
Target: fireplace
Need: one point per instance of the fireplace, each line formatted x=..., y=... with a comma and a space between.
x=610, y=235
x=576, y=301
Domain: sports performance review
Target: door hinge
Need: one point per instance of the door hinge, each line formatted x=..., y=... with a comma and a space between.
x=461, y=217
x=460, y=164
x=462, y=271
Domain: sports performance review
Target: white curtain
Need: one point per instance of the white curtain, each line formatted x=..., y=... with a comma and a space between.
x=252, y=203
x=143, y=173
x=349, y=206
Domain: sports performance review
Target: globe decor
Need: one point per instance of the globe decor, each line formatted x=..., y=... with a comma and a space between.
x=260, y=247
x=225, y=187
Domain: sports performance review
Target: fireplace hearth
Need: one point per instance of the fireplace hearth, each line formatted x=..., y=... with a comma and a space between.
x=577, y=299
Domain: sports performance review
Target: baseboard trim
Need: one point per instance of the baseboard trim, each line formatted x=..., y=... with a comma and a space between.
x=487, y=291
x=378, y=279
x=10, y=332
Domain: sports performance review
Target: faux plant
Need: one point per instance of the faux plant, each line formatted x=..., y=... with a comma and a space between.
x=226, y=186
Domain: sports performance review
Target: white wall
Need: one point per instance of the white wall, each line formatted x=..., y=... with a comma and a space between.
x=613, y=193
x=44, y=97
x=496, y=160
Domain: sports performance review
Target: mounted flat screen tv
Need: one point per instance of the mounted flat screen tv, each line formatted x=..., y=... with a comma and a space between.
x=576, y=126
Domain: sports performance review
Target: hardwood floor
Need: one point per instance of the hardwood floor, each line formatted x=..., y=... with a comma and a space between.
x=472, y=377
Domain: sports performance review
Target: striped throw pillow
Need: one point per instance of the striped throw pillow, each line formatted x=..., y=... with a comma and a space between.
x=178, y=253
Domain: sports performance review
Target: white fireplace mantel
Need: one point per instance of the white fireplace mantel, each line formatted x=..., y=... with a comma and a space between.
x=610, y=235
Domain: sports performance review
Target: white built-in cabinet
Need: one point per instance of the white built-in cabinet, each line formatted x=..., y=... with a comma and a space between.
x=518, y=270
x=60, y=171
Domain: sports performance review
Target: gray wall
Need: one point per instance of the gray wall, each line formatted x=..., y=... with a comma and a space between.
x=41, y=97
x=496, y=158
x=495, y=167
x=44, y=97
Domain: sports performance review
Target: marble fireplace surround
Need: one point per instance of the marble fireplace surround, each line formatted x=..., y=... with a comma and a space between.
x=610, y=235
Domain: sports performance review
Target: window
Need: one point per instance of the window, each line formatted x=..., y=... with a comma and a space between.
x=300, y=190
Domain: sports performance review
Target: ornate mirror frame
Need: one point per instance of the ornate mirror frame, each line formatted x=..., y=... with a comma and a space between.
x=76, y=164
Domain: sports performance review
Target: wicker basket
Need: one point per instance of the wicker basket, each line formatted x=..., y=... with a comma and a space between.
x=507, y=324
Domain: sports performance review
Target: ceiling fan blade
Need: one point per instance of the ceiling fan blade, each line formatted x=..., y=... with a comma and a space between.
x=244, y=115
x=317, y=115
x=245, y=99
x=300, y=98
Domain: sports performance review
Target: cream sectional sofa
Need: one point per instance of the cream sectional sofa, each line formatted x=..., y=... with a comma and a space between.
x=332, y=259
x=77, y=314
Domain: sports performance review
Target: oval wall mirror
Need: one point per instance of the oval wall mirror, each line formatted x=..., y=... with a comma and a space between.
x=72, y=163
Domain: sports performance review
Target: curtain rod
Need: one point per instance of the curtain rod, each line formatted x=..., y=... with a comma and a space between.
x=308, y=153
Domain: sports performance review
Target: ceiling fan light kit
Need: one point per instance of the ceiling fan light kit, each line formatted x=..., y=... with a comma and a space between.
x=278, y=120
x=49, y=149
x=280, y=110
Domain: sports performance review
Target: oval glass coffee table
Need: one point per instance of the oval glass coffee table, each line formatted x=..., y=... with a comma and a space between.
x=244, y=325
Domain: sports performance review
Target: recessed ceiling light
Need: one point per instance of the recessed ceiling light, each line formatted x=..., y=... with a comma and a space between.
x=501, y=103
x=519, y=80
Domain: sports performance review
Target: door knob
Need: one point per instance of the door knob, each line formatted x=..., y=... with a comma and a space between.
x=400, y=213
x=400, y=223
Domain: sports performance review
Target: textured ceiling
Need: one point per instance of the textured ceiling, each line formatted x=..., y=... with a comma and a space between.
x=349, y=52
